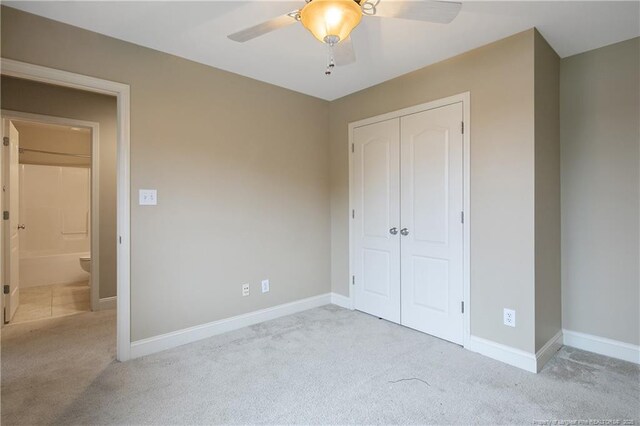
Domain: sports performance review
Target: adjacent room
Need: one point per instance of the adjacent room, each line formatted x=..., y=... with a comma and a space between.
x=320, y=212
x=54, y=197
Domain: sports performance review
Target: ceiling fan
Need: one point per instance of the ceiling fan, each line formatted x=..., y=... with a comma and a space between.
x=331, y=21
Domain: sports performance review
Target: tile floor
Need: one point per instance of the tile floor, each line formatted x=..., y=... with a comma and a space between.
x=51, y=301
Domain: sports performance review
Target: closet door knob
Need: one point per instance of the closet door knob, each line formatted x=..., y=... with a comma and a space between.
x=21, y=227
x=404, y=232
x=393, y=231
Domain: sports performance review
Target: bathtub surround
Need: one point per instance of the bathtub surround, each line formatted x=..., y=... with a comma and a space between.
x=55, y=203
x=51, y=269
x=38, y=98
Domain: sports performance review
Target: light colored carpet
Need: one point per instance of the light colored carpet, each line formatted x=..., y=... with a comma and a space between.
x=327, y=365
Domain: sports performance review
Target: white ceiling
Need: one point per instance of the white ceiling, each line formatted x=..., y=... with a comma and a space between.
x=385, y=48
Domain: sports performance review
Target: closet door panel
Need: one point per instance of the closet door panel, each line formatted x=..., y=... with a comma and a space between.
x=376, y=162
x=431, y=204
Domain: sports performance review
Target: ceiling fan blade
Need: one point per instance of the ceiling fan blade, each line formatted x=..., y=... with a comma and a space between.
x=441, y=12
x=343, y=52
x=263, y=28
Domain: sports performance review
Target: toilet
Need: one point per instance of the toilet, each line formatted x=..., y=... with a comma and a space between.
x=85, y=264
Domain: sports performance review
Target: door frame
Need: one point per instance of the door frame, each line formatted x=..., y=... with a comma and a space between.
x=465, y=98
x=121, y=92
x=95, y=184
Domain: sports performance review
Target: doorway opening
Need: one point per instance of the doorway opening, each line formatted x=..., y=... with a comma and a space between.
x=51, y=193
x=120, y=93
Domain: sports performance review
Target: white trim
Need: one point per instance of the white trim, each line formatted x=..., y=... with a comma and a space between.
x=466, y=269
x=95, y=184
x=192, y=334
x=547, y=351
x=507, y=354
x=449, y=100
x=107, y=303
x=516, y=357
x=602, y=345
x=465, y=98
x=342, y=301
x=121, y=91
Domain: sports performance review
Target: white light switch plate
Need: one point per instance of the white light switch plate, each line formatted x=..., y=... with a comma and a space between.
x=148, y=197
x=265, y=286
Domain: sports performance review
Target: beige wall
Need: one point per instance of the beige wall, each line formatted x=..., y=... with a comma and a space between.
x=28, y=96
x=548, y=305
x=252, y=179
x=241, y=168
x=500, y=77
x=600, y=137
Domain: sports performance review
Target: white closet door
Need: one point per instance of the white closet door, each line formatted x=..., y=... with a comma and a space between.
x=376, y=164
x=432, y=232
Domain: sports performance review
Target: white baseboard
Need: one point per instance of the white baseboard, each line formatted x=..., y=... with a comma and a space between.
x=192, y=334
x=508, y=355
x=548, y=351
x=342, y=301
x=107, y=303
x=602, y=346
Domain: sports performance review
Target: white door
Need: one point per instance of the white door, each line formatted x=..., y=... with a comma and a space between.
x=11, y=231
x=432, y=230
x=376, y=219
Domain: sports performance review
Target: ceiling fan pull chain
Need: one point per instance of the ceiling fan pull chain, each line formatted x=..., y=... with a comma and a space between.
x=331, y=63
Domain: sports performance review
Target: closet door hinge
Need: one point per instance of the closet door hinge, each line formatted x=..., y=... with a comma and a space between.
x=353, y=147
x=462, y=307
x=5, y=141
x=462, y=127
x=461, y=217
x=353, y=214
x=5, y=215
x=353, y=280
x=6, y=289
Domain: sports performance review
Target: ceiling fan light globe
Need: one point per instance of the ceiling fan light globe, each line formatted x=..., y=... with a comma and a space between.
x=331, y=21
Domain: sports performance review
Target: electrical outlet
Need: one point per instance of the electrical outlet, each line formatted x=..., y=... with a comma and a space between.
x=265, y=286
x=509, y=317
x=245, y=289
